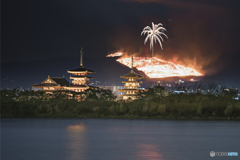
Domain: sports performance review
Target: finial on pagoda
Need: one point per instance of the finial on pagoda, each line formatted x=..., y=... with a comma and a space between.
x=81, y=61
x=132, y=63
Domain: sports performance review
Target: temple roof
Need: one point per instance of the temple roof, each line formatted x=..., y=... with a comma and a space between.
x=61, y=80
x=53, y=81
x=45, y=85
x=81, y=69
x=132, y=74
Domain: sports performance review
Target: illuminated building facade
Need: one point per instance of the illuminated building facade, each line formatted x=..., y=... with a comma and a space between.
x=80, y=78
x=132, y=85
x=52, y=84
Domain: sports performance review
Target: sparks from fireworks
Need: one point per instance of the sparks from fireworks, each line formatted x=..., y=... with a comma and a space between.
x=154, y=35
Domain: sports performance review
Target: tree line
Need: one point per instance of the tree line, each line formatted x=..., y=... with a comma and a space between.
x=156, y=102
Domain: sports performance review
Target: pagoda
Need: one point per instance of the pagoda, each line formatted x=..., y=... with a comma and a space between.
x=132, y=85
x=79, y=77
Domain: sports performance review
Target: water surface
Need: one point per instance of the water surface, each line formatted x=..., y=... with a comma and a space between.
x=116, y=139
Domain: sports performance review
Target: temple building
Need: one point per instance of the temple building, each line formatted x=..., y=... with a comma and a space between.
x=52, y=84
x=80, y=78
x=132, y=85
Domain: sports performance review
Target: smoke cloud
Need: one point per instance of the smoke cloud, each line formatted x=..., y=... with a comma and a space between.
x=201, y=35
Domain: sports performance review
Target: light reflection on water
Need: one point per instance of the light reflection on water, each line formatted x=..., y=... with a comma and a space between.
x=116, y=139
x=149, y=151
x=76, y=140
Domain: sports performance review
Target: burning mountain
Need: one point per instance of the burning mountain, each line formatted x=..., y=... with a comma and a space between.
x=117, y=54
x=156, y=68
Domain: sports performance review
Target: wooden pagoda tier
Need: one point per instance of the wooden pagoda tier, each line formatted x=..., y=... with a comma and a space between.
x=80, y=80
x=77, y=88
x=79, y=77
x=52, y=84
x=131, y=86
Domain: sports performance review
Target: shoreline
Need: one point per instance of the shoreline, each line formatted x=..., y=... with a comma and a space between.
x=130, y=118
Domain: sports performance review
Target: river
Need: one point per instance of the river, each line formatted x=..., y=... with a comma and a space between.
x=116, y=139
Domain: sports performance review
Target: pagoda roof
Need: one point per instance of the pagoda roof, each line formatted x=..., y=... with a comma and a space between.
x=81, y=77
x=132, y=82
x=44, y=85
x=53, y=81
x=81, y=69
x=77, y=86
x=132, y=74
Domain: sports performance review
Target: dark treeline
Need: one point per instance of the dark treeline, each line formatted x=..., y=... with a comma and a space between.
x=155, y=103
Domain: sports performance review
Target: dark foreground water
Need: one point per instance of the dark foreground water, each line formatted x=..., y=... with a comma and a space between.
x=110, y=139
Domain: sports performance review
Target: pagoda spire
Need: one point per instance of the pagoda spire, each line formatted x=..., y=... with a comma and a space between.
x=132, y=63
x=81, y=60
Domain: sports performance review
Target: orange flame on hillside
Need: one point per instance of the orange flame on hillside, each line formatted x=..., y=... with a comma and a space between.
x=117, y=54
x=157, y=68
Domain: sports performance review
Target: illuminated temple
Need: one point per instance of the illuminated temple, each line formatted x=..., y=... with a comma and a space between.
x=132, y=85
x=79, y=77
x=52, y=84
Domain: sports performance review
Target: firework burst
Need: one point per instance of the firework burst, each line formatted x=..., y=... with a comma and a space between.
x=154, y=34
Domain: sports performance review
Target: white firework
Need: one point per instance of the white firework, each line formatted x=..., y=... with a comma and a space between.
x=154, y=34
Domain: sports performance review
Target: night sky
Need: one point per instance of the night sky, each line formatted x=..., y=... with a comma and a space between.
x=203, y=34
